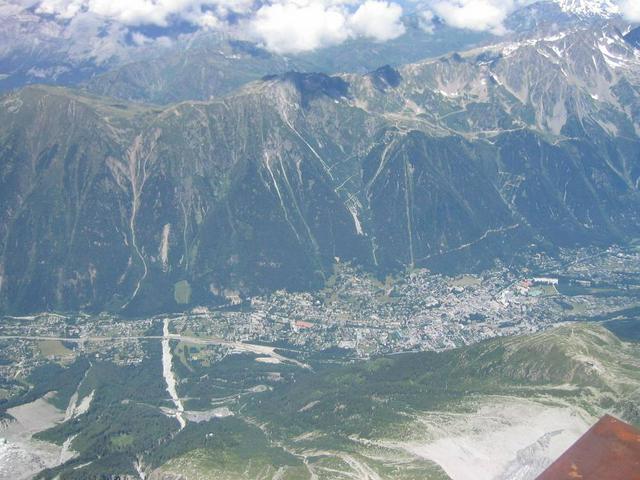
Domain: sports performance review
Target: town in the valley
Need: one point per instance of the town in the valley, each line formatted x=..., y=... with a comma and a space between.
x=355, y=316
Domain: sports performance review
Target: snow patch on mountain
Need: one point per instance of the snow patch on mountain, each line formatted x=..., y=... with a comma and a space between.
x=589, y=8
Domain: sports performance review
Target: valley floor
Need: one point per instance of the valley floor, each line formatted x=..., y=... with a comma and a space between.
x=507, y=369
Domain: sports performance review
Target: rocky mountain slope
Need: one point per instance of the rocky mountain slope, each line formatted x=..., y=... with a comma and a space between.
x=447, y=163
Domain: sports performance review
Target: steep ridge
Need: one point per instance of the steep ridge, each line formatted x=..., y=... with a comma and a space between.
x=450, y=163
x=60, y=204
x=582, y=361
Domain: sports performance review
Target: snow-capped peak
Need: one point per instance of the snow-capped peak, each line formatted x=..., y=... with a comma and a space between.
x=589, y=8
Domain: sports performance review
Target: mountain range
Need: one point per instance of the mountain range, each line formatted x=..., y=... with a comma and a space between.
x=37, y=47
x=450, y=163
x=404, y=259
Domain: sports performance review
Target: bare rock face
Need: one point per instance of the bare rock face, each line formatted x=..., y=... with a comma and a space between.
x=5, y=423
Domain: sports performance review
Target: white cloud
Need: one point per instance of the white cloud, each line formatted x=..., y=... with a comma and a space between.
x=297, y=25
x=134, y=12
x=378, y=20
x=140, y=40
x=479, y=15
x=630, y=9
x=289, y=26
x=65, y=9
x=283, y=26
x=425, y=19
x=293, y=28
x=489, y=15
x=146, y=12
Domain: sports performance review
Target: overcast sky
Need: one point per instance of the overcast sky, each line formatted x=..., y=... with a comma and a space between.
x=292, y=26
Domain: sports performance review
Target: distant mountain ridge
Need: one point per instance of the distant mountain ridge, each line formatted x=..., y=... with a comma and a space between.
x=38, y=48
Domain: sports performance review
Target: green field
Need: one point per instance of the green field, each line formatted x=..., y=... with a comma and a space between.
x=182, y=292
x=54, y=349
